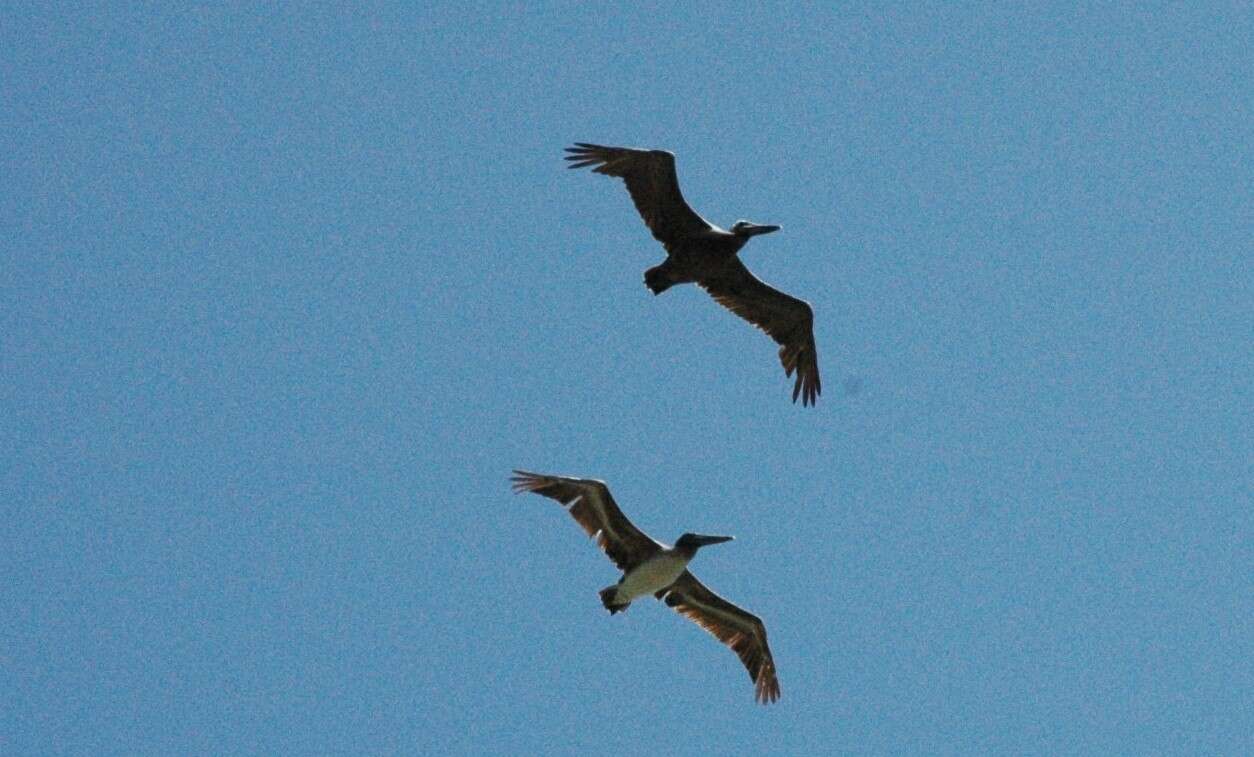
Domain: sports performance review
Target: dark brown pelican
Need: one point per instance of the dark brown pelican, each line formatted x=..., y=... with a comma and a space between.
x=650, y=567
x=700, y=252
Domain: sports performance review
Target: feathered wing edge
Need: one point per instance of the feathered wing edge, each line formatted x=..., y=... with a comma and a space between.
x=739, y=629
x=804, y=359
x=592, y=506
x=786, y=319
x=651, y=181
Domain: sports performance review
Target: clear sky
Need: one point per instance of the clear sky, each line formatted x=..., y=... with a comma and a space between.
x=286, y=292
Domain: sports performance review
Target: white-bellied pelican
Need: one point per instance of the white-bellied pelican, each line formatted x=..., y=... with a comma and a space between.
x=650, y=567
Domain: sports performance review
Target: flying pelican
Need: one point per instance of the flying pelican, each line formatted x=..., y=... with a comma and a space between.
x=698, y=251
x=650, y=567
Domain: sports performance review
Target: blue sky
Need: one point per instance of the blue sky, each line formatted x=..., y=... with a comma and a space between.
x=287, y=292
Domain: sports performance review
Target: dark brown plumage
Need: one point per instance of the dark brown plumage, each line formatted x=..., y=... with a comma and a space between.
x=742, y=631
x=700, y=252
x=592, y=506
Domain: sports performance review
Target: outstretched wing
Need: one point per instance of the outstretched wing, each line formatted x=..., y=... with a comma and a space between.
x=788, y=320
x=740, y=630
x=594, y=509
x=654, y=187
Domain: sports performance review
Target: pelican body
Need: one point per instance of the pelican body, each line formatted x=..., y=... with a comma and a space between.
x=689, y=259
x=699, y=252
x=650, y=567
x=657, y=573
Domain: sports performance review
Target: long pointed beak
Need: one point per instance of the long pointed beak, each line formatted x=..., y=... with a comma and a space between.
x=753, y=230
x=705, y=541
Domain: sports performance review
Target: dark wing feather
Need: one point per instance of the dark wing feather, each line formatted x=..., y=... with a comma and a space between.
x=593, y=508
x=742, y=631
x=654, y=187
x=788, y=320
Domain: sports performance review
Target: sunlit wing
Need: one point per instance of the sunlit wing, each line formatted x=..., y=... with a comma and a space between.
x=654, y=187
x=593, y=508
x=742, y=631
x=788, y=320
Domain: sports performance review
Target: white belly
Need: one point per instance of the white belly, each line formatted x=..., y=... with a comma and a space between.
x=651, y=576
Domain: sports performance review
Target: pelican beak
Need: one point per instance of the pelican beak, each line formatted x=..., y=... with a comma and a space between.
x=753, y=229
x=705, y=541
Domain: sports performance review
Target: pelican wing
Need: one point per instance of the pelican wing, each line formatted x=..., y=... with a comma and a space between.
x=654, y=187
x=788, y=320
x=740, y=630
x=593, y=508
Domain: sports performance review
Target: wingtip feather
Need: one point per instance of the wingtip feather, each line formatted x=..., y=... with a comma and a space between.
x=524, y=481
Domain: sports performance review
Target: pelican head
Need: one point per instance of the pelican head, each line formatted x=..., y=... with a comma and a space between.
x=690, y=543
x=746, y=229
